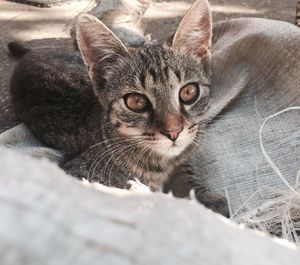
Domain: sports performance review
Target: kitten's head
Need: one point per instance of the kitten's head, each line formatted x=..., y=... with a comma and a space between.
x=157, y=95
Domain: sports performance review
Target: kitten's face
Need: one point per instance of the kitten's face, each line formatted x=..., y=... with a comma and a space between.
x=153, y=97
x=157, y=95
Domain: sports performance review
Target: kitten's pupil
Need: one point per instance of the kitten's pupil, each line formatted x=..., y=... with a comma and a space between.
x=136, y=102
x=189, y=94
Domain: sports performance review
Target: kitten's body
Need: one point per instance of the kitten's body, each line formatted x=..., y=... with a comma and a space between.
x=52, y=95
x=144, y=117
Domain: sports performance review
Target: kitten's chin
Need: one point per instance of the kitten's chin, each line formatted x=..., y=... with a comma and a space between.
x=167, y=149
x=171, y=152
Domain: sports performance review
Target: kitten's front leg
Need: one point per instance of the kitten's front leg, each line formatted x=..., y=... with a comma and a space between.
x=182, y=181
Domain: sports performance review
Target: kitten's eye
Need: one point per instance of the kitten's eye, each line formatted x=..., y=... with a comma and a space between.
x=136, y=102
x=189, y=93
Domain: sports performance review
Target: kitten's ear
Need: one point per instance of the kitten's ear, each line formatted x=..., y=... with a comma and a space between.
x=99, y=46
x=195, y=30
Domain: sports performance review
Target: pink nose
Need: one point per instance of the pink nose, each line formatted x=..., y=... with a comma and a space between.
x=172, y=135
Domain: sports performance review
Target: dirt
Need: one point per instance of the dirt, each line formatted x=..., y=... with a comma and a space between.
x=49, y=27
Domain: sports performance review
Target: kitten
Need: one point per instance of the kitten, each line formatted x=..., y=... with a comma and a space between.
x=138, y=115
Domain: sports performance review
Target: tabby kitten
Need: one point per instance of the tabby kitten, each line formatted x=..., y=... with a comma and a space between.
x=141, y=115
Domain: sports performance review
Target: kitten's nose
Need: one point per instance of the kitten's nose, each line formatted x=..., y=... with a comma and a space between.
x=172, y=134
x=170, y=125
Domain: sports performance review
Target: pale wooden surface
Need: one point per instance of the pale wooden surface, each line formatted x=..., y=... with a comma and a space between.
x=47, y=217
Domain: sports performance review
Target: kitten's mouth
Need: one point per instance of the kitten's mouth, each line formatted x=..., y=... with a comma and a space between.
x=168, y=148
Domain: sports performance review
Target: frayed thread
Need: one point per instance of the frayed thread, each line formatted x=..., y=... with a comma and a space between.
x=279, y=216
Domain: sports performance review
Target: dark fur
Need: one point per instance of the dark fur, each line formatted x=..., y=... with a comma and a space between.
x=45, y=97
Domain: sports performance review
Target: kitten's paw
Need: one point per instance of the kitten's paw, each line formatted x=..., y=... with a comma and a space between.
x=137, y=186
x=213, y=201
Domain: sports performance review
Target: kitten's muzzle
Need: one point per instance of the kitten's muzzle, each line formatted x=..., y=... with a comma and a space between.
x=172, y=134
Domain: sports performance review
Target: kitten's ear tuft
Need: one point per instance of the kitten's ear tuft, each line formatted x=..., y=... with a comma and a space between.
x=195, y=30
x=98, y=45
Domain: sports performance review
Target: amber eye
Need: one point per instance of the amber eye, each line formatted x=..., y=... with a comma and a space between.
x=136, y=102
x=189, y=93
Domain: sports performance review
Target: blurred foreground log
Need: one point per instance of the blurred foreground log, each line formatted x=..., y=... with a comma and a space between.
x=47, y=217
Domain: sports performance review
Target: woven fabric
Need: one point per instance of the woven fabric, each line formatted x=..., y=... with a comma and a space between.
x=256, y=66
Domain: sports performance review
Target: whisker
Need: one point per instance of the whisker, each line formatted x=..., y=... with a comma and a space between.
x=110, y=152
x=141, y=156
x=120, y=148
x=111, y=145
x=121, y=152
x=118, y=158
x=122, y=139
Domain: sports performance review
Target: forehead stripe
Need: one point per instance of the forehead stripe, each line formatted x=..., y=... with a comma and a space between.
x=152, y=72
x=143, y=79
x=166, y=73
x=178, y=75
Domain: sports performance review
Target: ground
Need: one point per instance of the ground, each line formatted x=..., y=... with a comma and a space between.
x=50, y=27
